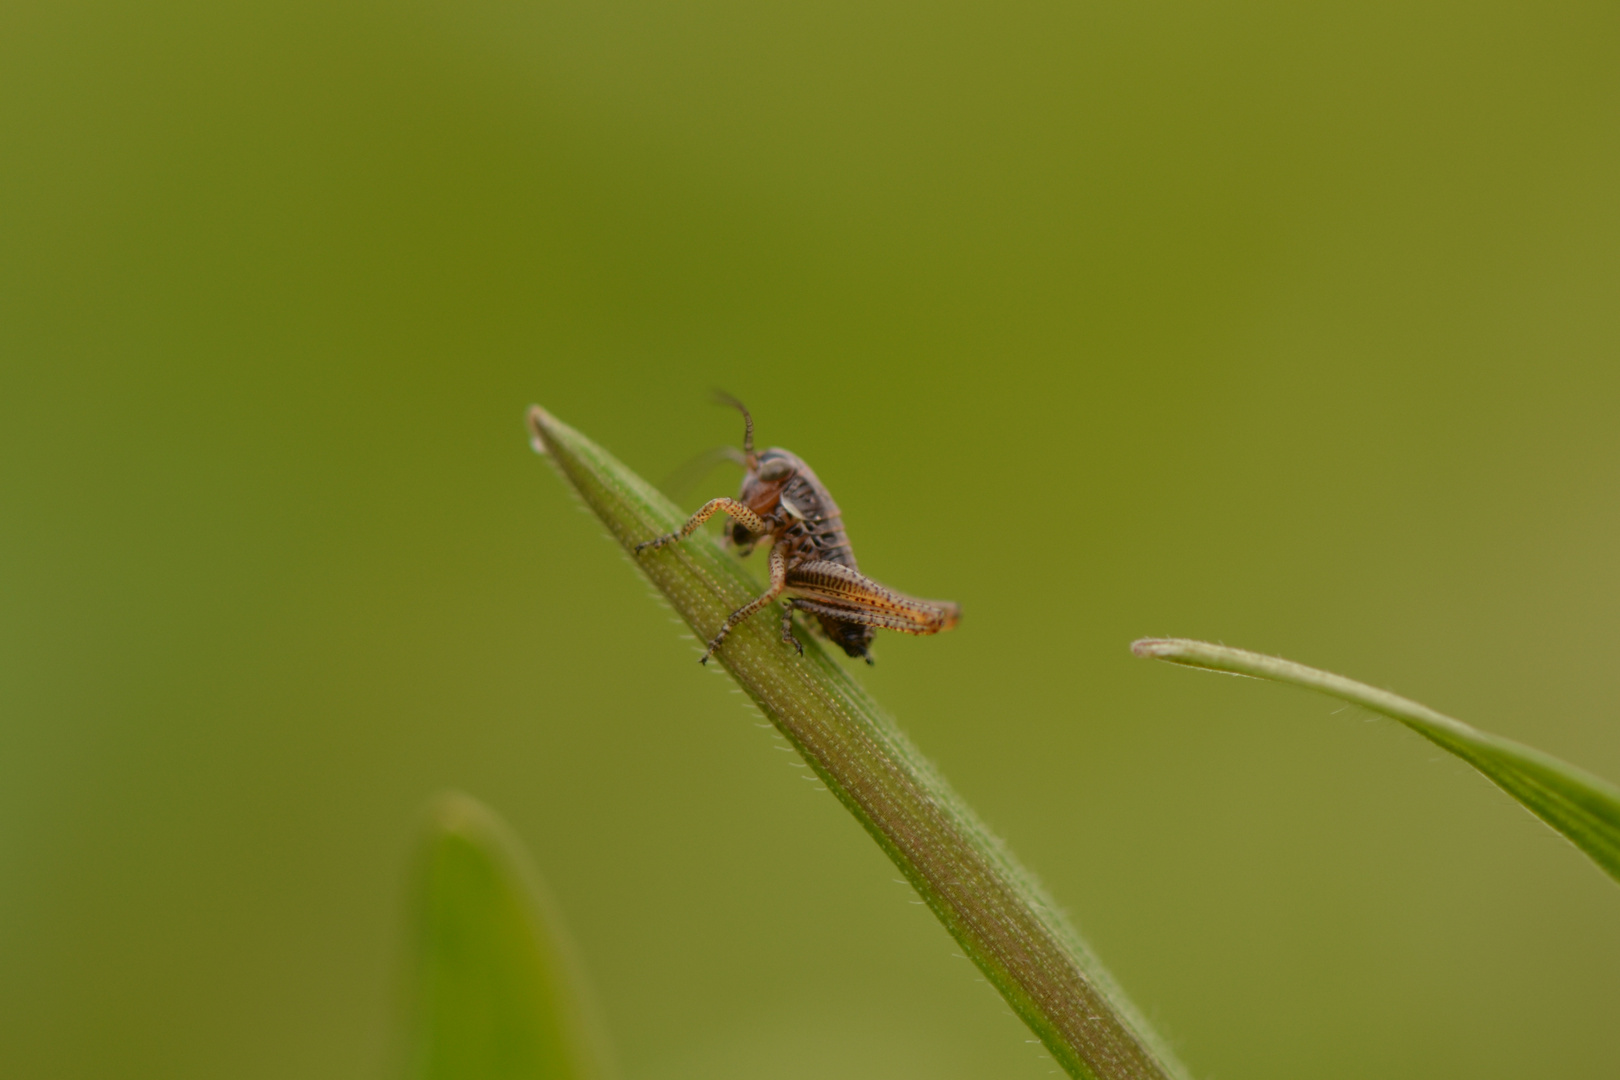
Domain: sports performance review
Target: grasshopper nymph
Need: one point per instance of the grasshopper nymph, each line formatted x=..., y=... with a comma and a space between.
x=811, y=560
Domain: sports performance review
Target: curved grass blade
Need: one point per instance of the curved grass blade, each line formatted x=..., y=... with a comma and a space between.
x=1004, y=922
x=495, y=996
x=1585, y=808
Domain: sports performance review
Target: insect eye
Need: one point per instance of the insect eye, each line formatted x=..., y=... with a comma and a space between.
x=775, y=469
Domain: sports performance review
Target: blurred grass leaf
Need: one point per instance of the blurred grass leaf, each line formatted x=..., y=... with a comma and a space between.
x=495, y=995
x=994, y=909
x=1585, y=808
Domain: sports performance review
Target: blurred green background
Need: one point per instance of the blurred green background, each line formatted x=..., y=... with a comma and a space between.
x=1293, y=327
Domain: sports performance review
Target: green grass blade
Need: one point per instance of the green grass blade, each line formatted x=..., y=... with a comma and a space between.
x=1001, y=918
x=495, y=996
x=1583, y=807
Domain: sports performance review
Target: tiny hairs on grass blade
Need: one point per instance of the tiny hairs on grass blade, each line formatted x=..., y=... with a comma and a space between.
x=1585, y=808
x=1002, y=919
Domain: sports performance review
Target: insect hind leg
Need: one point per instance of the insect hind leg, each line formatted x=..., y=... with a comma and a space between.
x=787, y=625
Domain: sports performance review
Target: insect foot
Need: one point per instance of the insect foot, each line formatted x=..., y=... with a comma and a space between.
x=657, y=542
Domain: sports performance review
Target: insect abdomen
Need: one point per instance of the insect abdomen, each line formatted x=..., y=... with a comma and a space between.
x=819, y=531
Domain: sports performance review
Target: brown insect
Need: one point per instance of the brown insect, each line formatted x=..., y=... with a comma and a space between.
x=811, y=560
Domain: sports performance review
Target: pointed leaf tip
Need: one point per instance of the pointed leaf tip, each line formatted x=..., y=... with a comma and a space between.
x=538, y=420
x=495, y=995
x=1583, y=807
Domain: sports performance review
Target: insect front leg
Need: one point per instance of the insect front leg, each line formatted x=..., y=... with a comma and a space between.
x=778, y=583
x=746, y=517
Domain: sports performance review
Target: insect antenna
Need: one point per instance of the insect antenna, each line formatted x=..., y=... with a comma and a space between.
x=748, y=424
